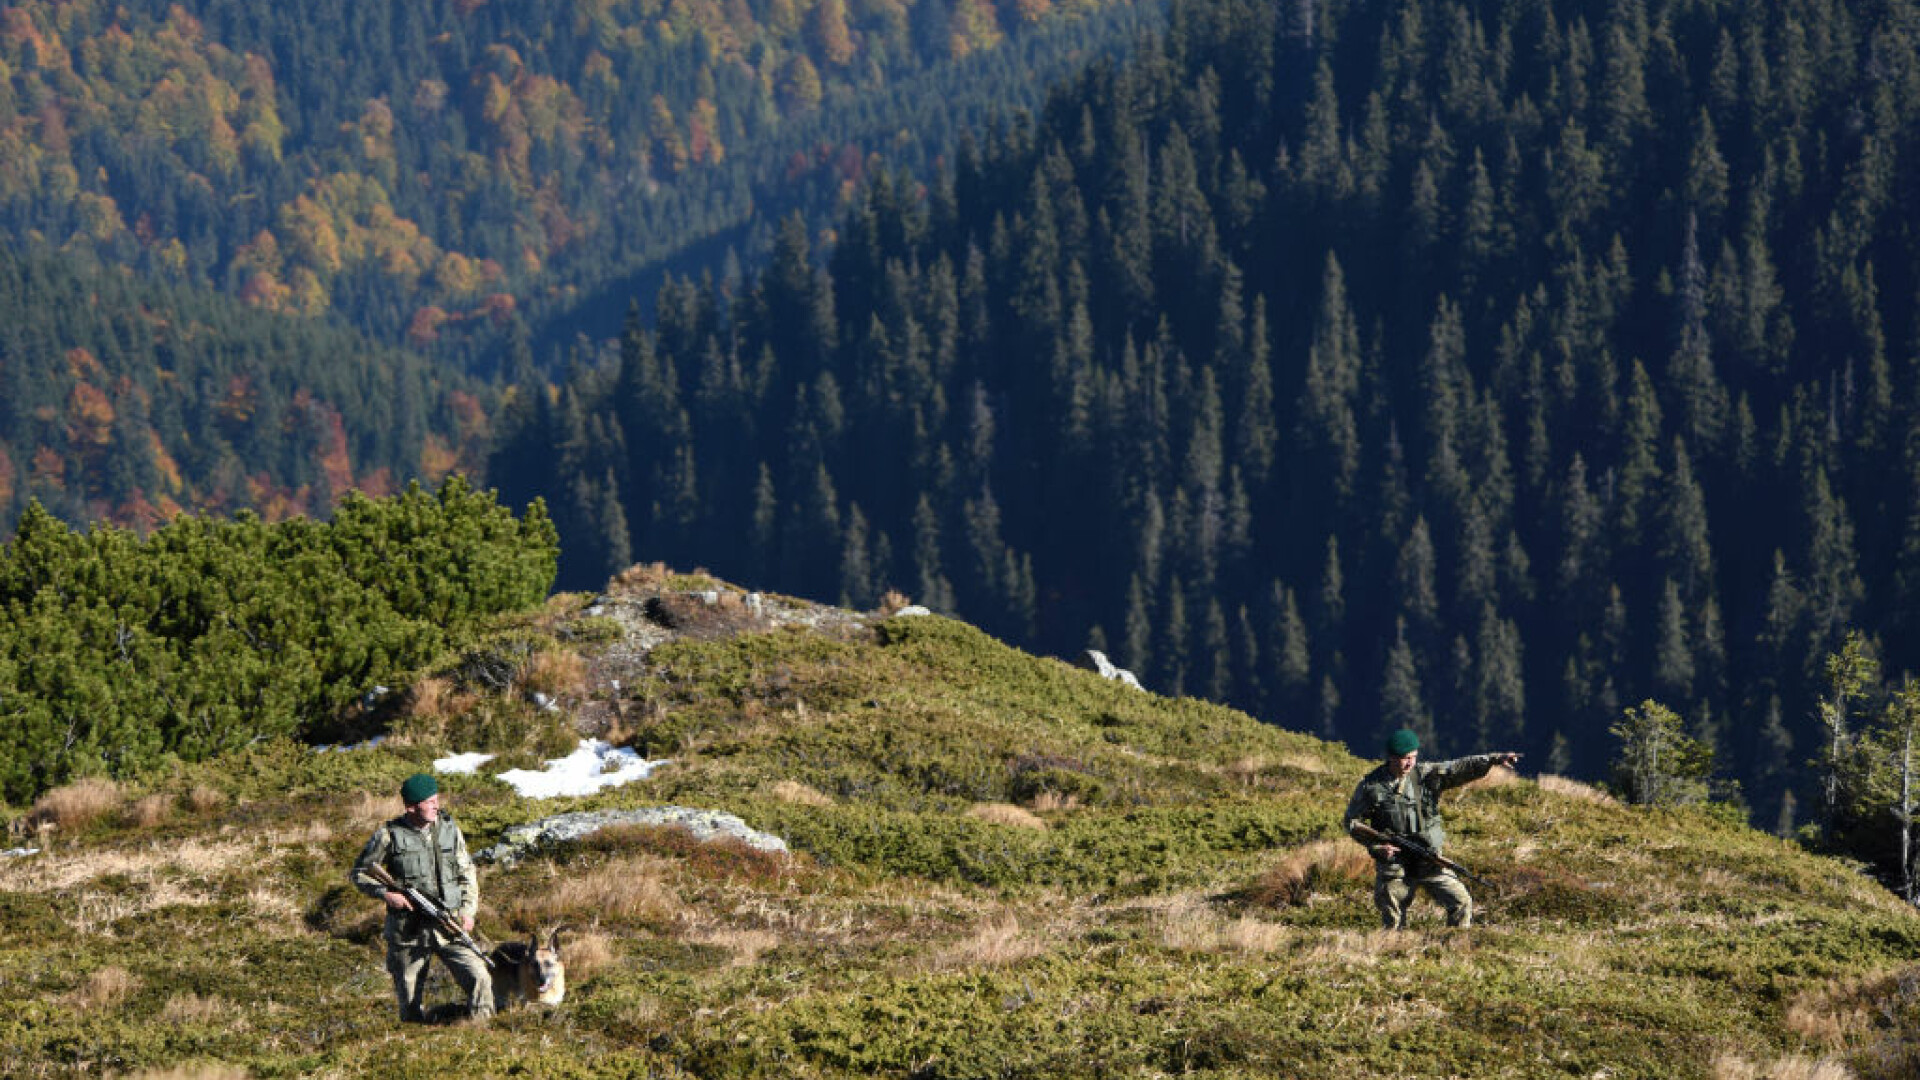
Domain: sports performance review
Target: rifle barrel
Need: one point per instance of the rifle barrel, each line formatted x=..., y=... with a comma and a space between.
x=1420, y=848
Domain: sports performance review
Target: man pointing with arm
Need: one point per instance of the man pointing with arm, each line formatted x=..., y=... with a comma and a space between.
x=1402, y=796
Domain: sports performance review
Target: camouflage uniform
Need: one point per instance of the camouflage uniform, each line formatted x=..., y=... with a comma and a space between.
x=1411, y=806
x=434, y=860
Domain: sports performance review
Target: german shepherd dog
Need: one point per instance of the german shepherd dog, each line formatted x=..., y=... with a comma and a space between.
x=528, y=970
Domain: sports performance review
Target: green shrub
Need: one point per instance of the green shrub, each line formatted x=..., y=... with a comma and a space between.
x=207, y=635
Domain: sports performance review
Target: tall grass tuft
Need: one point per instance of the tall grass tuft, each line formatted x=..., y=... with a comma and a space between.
x=1574, y=789
x=204, y=800
x=149, y=810
x=586, y=954
x=1318, y=867
x=998, y=942
x=194, y=1072
x=188, y=1007
x=1006, y=814
x=555, y=673
x=78, y=804
x=621, y=891
x=106, y=988
x=793, y=791
x=1791, y=1067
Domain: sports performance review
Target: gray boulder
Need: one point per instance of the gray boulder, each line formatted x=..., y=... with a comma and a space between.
x=519, y=841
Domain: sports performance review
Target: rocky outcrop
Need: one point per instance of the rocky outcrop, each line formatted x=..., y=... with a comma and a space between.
x=1095, y=660
x=519, y=841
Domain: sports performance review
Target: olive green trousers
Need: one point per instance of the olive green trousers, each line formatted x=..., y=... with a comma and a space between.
x=407, y=959
x=1394, y=888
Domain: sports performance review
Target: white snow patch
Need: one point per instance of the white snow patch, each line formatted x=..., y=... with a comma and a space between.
x=596, y=765
x=464, y=764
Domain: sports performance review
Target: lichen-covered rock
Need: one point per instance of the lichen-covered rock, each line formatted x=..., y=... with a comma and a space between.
x=518, y=841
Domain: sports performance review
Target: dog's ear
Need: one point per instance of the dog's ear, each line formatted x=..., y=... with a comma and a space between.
x=553, y=939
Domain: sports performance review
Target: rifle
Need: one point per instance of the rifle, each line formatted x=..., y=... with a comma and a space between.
x=1419, y=847
x=424, y=904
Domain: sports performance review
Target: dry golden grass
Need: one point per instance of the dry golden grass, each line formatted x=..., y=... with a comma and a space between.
x=744, y=947
x=1186, y=922
x=1319, y=867
x=149, y=810
x=1255, y=936
x=106, y=988
x=188, y=1007
x=1245, y=771
x=1732, y=1066
x=71, y=806
x=1047, y=802
x=997, y=942
x=1497, y=777
x=365, y=811
x=315, y=832
x=194, y=1072
x=1305, y=763
x=893, y=600
x=1574, y=789
x=793, y=791
x=203, y=799
x=621, y=890
x=1364, y=948
x=278, y=909
x=431, y=698
x=642, y=576
x=555, y=672
x=586, y=954
x=197, y=858
x=1836, y=1014
x=1006, y=814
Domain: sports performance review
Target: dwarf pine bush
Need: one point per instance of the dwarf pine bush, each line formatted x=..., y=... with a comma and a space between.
x=117, y=652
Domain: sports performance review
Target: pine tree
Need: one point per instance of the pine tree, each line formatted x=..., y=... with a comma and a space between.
x=1172, y=652
x=856, y=567
x=936, y=592
x=1690, y=372
x=1256, y=434
x=1219, y=658
x=1290, y=653
x=1419, y=600
x=1401, y=703
x=1249, y=691
x=1139, y=627
x=1499, y=692
x=1639, y=471
x=1673, y=668
x=1329, y=429
x=1685, y=552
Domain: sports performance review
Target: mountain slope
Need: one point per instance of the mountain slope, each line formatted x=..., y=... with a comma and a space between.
x=1003, y=867
x=424, y=168
x=1479, y=368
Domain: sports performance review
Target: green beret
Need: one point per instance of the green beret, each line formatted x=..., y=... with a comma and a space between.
x=418, y=788
x=1402, y=742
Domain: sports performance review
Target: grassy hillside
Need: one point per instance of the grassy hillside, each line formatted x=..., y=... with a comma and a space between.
x=1003, y=867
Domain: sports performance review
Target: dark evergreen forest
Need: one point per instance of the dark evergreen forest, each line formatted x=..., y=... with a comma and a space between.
x=1484, y=368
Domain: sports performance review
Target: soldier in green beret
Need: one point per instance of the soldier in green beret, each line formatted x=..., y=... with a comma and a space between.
x=1402, y=796
x=424, y=849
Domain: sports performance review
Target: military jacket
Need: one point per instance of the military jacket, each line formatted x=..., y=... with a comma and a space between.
x=1411, y=805
x=433, y=859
